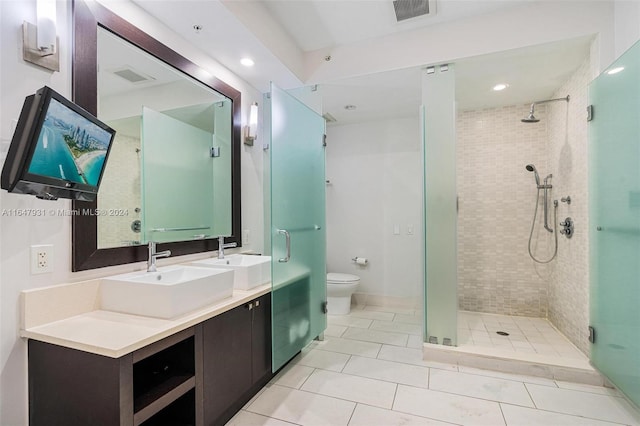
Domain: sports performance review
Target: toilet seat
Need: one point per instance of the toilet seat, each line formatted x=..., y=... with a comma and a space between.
x=337, y=278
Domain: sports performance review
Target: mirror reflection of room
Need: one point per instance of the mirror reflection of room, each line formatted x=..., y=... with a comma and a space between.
x=182, y=118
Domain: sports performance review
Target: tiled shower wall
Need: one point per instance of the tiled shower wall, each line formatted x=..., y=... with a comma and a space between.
x=569, y=283
x=120, y=189
x=497, y=198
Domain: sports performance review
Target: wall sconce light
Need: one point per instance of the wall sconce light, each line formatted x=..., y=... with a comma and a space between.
x=40, y=42
x=251, y=130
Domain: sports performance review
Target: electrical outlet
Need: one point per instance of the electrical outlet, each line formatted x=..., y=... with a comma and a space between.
x=245, y=236
x=41, y=259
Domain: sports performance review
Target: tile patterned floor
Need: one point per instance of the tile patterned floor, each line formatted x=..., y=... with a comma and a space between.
x=369, y=371
x=526, y=335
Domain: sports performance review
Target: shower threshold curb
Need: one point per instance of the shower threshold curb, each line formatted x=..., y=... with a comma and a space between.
x=569, y=370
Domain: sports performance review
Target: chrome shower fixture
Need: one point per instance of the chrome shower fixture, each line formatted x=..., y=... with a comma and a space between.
x=532, y=168
x=532, y=118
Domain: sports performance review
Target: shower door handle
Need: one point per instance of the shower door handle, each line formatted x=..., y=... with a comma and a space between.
x=287, y=237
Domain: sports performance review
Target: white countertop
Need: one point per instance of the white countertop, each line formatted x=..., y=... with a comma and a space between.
x=115, y=334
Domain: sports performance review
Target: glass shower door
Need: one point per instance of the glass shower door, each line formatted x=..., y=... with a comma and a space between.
x=298, y=238
x=614, y=156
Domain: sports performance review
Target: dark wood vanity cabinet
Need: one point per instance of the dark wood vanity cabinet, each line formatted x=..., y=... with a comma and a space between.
x=199, y=376
x=237, y=356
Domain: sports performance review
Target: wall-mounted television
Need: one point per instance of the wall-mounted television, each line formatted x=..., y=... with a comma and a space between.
x=58, y=150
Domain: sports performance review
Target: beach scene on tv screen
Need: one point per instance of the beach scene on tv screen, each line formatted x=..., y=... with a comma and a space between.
x=70, y=147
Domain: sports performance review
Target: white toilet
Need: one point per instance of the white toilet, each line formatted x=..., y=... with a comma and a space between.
x=340, y=287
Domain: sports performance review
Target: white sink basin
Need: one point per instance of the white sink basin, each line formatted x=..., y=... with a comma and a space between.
x=167, y=293
x=249, y=271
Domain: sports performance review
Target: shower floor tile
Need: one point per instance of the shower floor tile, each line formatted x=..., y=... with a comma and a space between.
x=526, y=335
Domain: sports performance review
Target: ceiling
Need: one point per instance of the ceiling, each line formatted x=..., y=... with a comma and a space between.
x=317, y=24
x=232, y=29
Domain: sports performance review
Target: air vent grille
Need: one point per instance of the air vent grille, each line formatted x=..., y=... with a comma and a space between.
x=132, y=76
x=407, y=9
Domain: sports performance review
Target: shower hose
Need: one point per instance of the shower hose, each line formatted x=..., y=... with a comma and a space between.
x=555, y=229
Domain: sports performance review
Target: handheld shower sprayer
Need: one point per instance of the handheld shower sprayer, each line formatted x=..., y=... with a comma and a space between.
x=546, y=186
x=532, y=168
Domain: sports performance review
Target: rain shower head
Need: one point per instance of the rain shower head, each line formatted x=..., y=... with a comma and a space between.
x=532, y=118
x=532, y=168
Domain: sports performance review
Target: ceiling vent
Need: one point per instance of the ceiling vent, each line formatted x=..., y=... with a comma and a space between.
x=407, y=9
x=132, y=76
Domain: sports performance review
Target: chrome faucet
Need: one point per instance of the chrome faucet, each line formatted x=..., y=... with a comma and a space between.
x=151, y=261
x=222, y=246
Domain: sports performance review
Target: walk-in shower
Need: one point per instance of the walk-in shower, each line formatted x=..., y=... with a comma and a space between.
x=545, y=187
x=532, y=118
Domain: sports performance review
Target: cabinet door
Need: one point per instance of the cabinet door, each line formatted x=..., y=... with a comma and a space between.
x=261, y=338
x=227, y=361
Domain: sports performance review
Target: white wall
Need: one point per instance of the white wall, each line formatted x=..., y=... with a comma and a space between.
x=626, y=25
x=19, y=79
x=376, y=183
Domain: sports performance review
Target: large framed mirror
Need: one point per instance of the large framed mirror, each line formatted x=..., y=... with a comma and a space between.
x=173, y=176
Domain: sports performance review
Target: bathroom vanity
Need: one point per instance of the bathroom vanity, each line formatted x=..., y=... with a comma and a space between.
x=106, y=368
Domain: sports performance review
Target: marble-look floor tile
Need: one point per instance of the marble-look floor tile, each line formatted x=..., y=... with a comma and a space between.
x=415, y=342
x=389, y=371
x=347, y=346
x=293, y=375
x=446, y=407
x=365, y=415
x=348, y=321
x=594, y=406
x=588, y=388
x=523, y=416
x=303, y=408
x=411, y=356
x=395, y=310
x=507, y=376
x=352, y=388
x=335, y=330
x=484, y=387
x=409, y=319
x=245, y=418
x=397, y=327
x=376, y=336
x=325, y=360
x=373, y=315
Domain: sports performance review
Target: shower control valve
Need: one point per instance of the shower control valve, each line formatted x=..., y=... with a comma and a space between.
x=567, y=227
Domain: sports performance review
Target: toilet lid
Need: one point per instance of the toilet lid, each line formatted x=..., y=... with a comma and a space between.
x=342, y=278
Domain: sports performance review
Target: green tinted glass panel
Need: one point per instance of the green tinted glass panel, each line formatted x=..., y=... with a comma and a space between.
x=177, y=171
x=297, y=176
x=222, y=169
x=614, y=155
x=441, y=282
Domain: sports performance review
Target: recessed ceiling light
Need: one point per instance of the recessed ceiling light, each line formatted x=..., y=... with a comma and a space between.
x=247, y=62
x=615, y=70
x=350, y=107
x=499, y=87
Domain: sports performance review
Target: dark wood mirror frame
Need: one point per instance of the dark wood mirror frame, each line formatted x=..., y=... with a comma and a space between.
x=87, y=17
